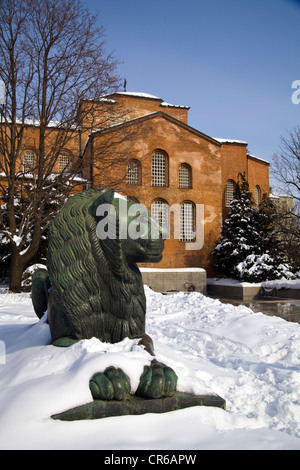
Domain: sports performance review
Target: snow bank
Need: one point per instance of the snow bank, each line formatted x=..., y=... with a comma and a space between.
x=251, y=360
x=278, y=283
x=283, y=283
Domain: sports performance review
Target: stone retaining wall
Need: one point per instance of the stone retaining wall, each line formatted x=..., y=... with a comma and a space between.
x=230, y=289
x=168, y=280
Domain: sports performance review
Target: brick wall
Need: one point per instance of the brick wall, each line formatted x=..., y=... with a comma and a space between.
x=258, y=174
x=181, y=145
x=120, y=107
x=212, y=163
x=30, y=143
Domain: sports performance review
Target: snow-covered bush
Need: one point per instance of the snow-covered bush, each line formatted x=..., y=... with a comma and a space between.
x=256, y=268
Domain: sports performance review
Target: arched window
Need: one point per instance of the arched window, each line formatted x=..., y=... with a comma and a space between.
x=185, y=176
x=63, y=163
x=187, y=222
x=29, y=162
x=229, y=192
x=160, y=211
x=257, y=195
x=133, y=199
x=159, y=169
x=133, y=172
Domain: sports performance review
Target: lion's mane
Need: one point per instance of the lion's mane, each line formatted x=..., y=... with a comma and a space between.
x=94, y=292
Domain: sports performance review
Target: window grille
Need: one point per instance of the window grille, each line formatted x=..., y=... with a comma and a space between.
x=29, y=162
x=187, y=222
x=229, y=192
x=159, y=170
x=63, y=163
x=160, y=211
x=133, y=173
x=184, y=176
x=257, y=195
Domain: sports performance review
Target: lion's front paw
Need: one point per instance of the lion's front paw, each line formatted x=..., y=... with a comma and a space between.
x=157, y=381
x=112, y=384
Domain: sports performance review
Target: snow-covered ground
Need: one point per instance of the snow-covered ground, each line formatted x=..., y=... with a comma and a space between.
x=251, y=360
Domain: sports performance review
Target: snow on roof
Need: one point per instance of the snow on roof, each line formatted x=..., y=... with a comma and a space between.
x=106, y=100
x=230, y=141
x=278, y=196
x=36, y=123
x=168, y=105
x=139, y=95
x=151, y=97
x=257, y=158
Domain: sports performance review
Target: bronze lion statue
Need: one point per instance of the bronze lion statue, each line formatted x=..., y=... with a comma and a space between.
x=93, y=287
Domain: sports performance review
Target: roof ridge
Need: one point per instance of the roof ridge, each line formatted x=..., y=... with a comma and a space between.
x=165, y=115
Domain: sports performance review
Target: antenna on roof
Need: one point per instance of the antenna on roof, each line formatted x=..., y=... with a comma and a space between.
x=125, y=84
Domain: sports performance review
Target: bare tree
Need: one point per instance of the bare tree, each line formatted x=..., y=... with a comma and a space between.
x=112, y=149
x=286, y=170
x=52, y=56
x=286, y=164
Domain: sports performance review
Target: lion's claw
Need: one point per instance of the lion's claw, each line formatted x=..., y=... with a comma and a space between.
x=112, y=384
x=157, y=380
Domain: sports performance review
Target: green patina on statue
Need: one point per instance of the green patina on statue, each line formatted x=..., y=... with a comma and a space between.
x=93, y=287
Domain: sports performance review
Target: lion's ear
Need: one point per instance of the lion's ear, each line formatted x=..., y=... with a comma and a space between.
x=104, y=198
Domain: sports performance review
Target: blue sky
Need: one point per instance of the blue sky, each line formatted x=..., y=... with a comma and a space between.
x=232, y=61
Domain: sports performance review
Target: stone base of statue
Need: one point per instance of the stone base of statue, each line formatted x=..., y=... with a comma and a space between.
x=135, y=405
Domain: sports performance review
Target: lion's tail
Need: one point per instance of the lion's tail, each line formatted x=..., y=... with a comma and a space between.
x=40, y=291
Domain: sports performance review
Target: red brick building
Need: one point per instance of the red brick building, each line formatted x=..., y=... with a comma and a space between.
x=146, y=149
x=166, y=164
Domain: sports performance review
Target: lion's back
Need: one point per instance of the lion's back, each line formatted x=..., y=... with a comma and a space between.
x=72, y=259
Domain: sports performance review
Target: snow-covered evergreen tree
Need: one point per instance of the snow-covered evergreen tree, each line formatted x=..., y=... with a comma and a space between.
x=238, y=235
x=248, y=249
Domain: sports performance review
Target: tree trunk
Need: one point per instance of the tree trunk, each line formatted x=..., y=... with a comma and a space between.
x=16, y=272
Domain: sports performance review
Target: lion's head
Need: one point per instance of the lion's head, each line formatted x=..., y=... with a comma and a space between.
x=95, y=242
x=141, y=237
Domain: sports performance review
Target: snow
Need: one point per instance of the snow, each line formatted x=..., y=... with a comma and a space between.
x=169, y=105
x=283, y=283
x=258, y=158
x=251, y=360
x=17, y=240
x=230, y=141
x=36, y=123
x=138, y=95
x=151, y=97
x=278, y=283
